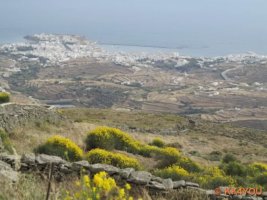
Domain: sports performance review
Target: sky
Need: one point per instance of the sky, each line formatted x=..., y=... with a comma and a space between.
x=172, y=23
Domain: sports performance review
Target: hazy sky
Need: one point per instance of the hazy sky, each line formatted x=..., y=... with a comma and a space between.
x=173, y=23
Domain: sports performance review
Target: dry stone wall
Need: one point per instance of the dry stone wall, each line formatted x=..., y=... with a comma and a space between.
x=16, y=115
x=11, y=166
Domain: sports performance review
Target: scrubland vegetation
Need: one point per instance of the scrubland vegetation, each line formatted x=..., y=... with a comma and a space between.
x=103, y=143
x=153, y=142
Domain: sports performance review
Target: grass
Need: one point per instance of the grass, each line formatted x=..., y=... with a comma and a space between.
x=128, y=121
x=6, y=141
x=29, y=187
x=175, y=131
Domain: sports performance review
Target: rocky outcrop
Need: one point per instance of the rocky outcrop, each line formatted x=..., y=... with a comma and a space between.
x=15, y=115
x=10, y=166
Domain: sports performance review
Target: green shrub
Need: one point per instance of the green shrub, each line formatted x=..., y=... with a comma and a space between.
x=228, y=158
x=215, y=156
x=62, y=147
x=4, y=97
x=217, y=181
x=5, y=141
x=212, y=177
x=158, y=143
x=115, y=159
x=234, y=169
x=174, y=172
x=262, y=179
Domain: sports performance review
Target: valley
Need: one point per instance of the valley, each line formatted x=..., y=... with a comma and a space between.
x=68, y=70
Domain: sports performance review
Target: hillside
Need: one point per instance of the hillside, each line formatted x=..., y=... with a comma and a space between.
x=176, y=120
x=67, y=70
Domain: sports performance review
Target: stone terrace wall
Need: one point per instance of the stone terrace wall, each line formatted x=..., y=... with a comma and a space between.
x=16, y=115
x=11, y=165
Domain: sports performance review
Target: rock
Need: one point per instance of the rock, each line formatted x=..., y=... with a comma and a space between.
x=13, y=160
x=196, y=189
x=95, y=168
x=125, y=173
x=140, y=177
x=178, y=184
x=10, y=175
x=156, y=185
x=168, y=184
x=251, y=198
x=4, y=166
x=66, y=168
x=28, y=159
x=157, y=179
x=46, y=159
x=7, y=173
x=190, y=184
x=79, y=165
x=237, y=197
x=210, y=192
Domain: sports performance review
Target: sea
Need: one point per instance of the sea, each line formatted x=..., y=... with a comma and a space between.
x=190, y=27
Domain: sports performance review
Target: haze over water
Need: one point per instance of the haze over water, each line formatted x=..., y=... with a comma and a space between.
x=191, y=27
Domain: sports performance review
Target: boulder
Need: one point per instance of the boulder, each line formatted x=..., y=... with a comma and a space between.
x=178, y=184
x=140, y=177
x=28, y=159
x=13, y=160
x=157, y=179
x=66, y=168
x=168, y=184
x=95, y=168
x=125, y=173
x=4, y=166
x=156, y=185
x=7, y=173
x=190, y=184
x=79, y=165
x=46, y=159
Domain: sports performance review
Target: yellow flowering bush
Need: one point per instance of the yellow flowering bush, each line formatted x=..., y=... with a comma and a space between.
x=62, y=147
x=111, y=138
x=115, y=159
x=100, y=187
x=173, y=172
x=256, y=168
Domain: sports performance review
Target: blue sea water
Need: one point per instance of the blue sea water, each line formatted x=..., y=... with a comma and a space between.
x=191, y=27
